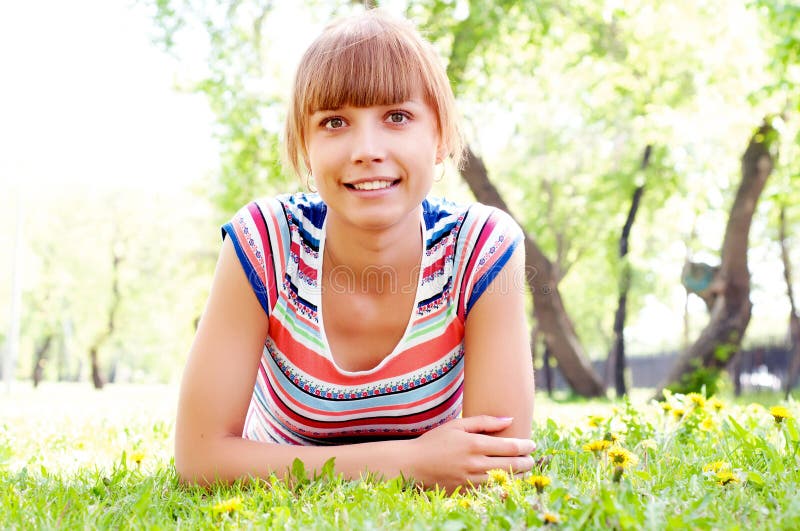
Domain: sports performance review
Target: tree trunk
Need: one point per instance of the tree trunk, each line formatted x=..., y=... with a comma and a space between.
x=40, y=359
x=548, y=371
x=794, y=365
x=97, y=378
x=549, y=310
x=616, y=356
x=794, y=320
x=720, y=339
x=94, y=349
x=736, y=373
x=534, y=344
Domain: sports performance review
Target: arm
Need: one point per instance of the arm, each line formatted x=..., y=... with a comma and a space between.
x=498, y=371
x=218, y=384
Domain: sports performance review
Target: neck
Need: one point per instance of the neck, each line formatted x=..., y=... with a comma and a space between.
x=372, y=260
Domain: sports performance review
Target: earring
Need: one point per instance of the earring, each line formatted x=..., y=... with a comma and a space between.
x=311, y=189
x=441, y=176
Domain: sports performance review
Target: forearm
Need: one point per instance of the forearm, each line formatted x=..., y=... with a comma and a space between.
x=229, y=458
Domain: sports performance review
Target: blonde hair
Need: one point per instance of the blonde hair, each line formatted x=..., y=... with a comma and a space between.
x=369, y=59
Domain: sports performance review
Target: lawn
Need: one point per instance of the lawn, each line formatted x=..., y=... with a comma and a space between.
x=71, y=457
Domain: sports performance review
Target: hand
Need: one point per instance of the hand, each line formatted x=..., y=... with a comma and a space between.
x=459, y=453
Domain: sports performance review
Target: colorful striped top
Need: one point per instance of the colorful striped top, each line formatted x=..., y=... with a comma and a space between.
x=301, y=396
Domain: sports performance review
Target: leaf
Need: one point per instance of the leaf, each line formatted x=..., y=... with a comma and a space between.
x=328, y=469
x=755, y=477
x=299, y=471
x=737, y=428
x=791, y=430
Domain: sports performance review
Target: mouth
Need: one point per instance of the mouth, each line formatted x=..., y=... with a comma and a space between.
x=370, y=185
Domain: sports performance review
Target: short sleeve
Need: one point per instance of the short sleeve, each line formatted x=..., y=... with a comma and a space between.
x=492, y=238
x=250, y=231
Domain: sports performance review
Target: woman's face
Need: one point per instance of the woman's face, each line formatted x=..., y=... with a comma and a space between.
x=373, y=166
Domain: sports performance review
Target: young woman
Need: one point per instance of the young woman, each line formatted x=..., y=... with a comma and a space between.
x=366, y=322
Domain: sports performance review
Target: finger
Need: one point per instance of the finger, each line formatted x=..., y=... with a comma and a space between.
x=484, y=423
x=503, y=446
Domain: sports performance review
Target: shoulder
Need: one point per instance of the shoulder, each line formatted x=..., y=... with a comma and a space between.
x=300, y=209
x=474, y=221
x=493, y=219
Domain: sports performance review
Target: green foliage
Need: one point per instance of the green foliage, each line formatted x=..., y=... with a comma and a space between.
x=693, y=463
x=247, y=105
x=782, y=28
x=166, y=256
x=700, y=377
x=559, y=99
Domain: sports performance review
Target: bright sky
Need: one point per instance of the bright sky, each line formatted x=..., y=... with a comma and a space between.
x=86, y=98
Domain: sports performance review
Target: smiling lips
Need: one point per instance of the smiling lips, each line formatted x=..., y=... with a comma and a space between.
x=377, y=184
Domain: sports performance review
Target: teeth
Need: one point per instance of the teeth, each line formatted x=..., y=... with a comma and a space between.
x=372, y=185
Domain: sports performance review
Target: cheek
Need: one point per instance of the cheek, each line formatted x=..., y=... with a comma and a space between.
x=320, y=156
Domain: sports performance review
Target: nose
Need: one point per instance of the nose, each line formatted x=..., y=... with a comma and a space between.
x=368, y=145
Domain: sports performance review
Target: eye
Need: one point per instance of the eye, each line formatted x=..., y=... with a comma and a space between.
x=333, y=122
x=398, y=117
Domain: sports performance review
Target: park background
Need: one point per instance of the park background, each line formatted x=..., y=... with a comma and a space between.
x=131, y=130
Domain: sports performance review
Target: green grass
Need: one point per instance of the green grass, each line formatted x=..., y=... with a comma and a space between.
x=71, y=457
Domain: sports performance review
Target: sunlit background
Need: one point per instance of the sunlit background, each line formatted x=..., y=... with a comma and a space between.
x=106, y=151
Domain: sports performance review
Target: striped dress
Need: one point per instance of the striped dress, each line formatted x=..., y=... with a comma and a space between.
x=301, y=396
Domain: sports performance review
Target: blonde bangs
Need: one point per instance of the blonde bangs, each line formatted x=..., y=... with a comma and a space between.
x=370, y=72
x=368, y=60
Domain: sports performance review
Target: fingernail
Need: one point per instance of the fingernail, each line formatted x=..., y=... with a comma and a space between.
x=506, y=419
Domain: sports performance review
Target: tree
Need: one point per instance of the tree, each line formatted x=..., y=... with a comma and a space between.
x=782, y=22
x=577, y=89
x=112, y=283
x=730, y=314
x=616, y=356
x=477, y=29
x=794, y=319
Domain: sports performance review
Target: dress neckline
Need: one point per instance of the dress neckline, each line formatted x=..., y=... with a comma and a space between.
x=327, y=352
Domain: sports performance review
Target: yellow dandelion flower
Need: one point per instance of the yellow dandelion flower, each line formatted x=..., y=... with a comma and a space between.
x=619, y=456
x=726, y=476
x=678, y=413
x=666, y=406
x=540, y=482
x=465, y=503
x=137, y=457
x=551, y=518
x=595, y=420
x=597, y=446
x=498, y=476
x=707, y=424
x=227, y=506
x=779, y=413
x=696, y=400
x=715, y=403
x=716, y=466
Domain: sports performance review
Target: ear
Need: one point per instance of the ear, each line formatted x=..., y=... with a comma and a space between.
x=441, y=153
